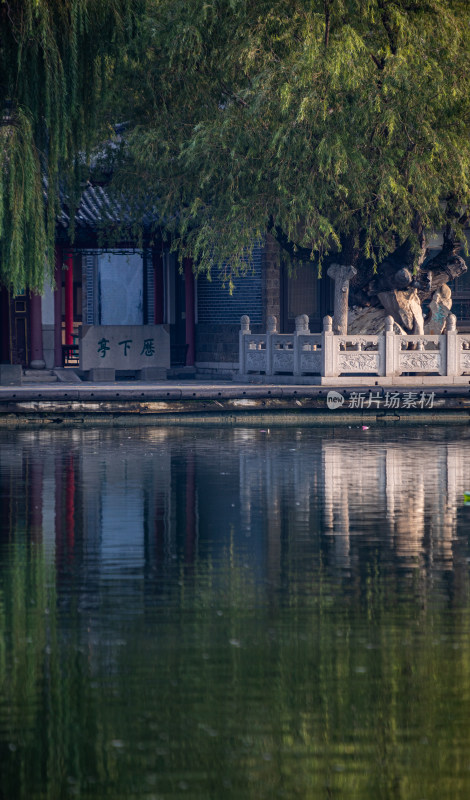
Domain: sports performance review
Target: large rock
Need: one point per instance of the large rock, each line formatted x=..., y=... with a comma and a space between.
x=439, y=310
x=405, y=308
x=369, y=320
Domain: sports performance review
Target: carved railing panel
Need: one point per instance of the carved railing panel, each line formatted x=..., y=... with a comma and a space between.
x=283, y=360
x=282, y=352
x=311, y=362
x=359, y=354
x=359, y=343
x=255, y=341
x=358, y=362
x=255, y=352
x=256, y=361
x=414, y=361
x=464, y=354
x=309, y=342
x=427, y=355
x=310, y=346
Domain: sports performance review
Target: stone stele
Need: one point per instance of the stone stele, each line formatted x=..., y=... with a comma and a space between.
x=124, y=347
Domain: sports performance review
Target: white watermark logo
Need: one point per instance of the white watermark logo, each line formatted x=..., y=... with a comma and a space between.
x=334, y=400
x=388, y=400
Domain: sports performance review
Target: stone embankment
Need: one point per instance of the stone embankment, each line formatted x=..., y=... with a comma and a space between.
x=228, y=404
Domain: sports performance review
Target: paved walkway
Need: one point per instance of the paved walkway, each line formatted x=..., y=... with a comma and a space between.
x=210, y=388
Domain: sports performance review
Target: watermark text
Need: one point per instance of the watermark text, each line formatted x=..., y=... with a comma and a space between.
x=383, y=400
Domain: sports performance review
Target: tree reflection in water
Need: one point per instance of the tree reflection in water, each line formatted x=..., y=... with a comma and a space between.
x=210, y=613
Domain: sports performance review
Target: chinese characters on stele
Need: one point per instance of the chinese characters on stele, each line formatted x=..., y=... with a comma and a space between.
x=148, y=347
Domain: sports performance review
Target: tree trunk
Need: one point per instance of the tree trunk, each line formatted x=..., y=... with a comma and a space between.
x=401, y=293
x=401, y=283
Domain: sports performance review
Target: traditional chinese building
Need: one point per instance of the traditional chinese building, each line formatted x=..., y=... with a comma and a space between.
x=132, y=286
x=129, y=285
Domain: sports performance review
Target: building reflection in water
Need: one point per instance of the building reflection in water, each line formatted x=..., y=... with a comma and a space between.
x=130, y=501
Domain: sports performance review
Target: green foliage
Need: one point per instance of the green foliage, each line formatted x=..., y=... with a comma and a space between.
x=56, y=61
x=343, y=123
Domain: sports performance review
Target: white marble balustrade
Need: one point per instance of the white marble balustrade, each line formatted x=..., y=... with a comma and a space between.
x=337, y=358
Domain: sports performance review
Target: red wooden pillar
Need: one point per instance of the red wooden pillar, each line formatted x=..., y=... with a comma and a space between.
x=158, y=287
x=69, y=299
x=190, y=311
x=58, y=308
x=35, y=316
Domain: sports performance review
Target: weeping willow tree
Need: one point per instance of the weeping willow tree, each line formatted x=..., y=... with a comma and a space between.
x=57, y=58
x=341, y=126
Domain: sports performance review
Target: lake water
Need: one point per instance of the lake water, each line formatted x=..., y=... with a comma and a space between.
x=246, y=613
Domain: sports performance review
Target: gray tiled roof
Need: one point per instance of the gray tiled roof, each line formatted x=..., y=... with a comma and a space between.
x=98, y=209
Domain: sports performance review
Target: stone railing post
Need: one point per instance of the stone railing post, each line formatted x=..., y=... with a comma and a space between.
x=341, y=274
x=452, y=354
x=389, y=344
x=244, y=329
x=272, y=329
x=328, y=349
x=301, y=327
